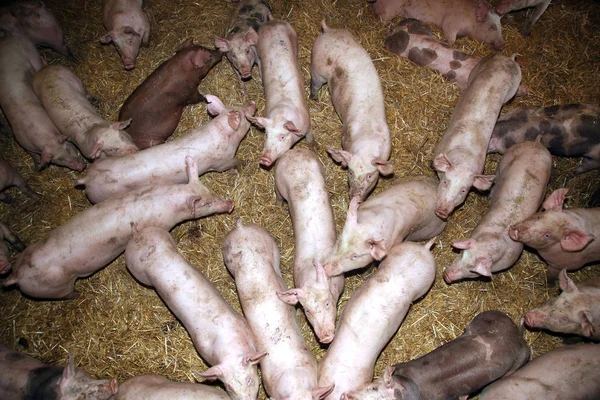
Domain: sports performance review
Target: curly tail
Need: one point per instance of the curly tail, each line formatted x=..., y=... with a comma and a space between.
x=324, y=26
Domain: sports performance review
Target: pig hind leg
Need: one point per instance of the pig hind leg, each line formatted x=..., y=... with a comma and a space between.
x=316, y=82
x=539, y=10
x=588, y=164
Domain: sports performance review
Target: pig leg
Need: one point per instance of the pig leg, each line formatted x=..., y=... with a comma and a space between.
x=6, y=198
x=539, y=10
x=587, y=164
x=316, y=82
x=11, y=238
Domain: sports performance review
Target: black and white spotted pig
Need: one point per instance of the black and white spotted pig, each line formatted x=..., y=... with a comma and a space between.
x=571, y=130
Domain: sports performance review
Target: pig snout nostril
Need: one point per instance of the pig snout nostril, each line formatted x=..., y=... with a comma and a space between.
x=447, y=278
x=327, y=338
x=265, y=161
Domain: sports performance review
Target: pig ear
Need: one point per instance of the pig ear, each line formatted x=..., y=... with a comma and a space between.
x=254, y=358
x=483, y=182
x=120, y=125
x=566, y=284
x=464, y=244
x=387, y=377
x=341, y=156
x=352, y=216
x=442, y=163
x=575, y=240
x=555, y=201
x=106, y=39
x=189, y=42
x=96, y=150
x=320, y=393
x=289, y=125
x=234, y=118
x=291, y=297
x=212, y=373
x=68, y=373
x=222, y=44
x=260, y=122
x=378, y=250
x=250, y=108
x=251, y=37
x=321, y=275
x=384, y=167
x=215, y=106
x=587, y=323
x=482, y=10
x=483, y=266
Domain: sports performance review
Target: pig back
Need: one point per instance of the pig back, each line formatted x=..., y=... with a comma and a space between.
x=155, y=387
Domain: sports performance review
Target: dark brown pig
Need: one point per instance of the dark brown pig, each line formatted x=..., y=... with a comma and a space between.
x=491, y=347
x=94, y=237
x=221, y=335
x=563, y=238
x=521, y=179
x=567, y=373
x=576, y=310
x=413, y=39
x=7, y=235
x=128, y=28
x=156, y=105
x=340, y=61
x=460, y=154
x=239, y=46
x=507, y=6
x=10, y=177
x=23, y=377
x=570, y=130
x=155, y=387
x=31, y=126
x=455, y=17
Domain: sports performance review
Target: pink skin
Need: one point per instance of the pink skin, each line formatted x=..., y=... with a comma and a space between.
x=94, y=237
x=404, y=211
x=212, y=146
x=460, y=154
x=507, y=6
x=17, y=379
x=575, y=311
x=289, y=371
x=491, y=347
x=373, y=315
x=455, y=17
x=31, y=126
x=155, y=387
x=7, y=235
x=340, y=61
x=287, y=120
x=65, y=99
x=128, y=28
x=521, y=179
x=240, y=45
x=569, y=372
x=221, y=336
x=10, y=177
x=563, y=238
x=299, y=179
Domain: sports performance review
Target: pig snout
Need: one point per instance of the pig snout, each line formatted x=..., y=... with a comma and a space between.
x=498, y=44
x=266, y=161
x=533, y=318
x=447, y=277
x=113, y=386
x=128, y=64
x=442, y=213
x=326, y=335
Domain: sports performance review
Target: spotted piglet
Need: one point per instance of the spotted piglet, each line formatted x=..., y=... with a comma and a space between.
x=373, y=315
x=289, y=371
x=340, y=61
x=570, y=130
x=221, y=336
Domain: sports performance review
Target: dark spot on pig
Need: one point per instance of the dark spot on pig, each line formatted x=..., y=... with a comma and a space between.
x=14, y=356
x=421, y=57
x=234, y=30
x=556, y=145
x=267, y=5
x=545, y=126
x=255, y=24
x=112, y=240
x=551, y=111
x=397, y=42
x=398, y=394
x=41, y=383
x=509, y=142
x=459, y=55
x=450, y=75
x=455, y=64
x=419, y=28
x=531, y=133
x=339, y=72
x=246, y=9
x=259, y=17
x=589, y=128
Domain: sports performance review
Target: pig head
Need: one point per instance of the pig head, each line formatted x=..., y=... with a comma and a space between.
x=281, y=135
x=241, y=52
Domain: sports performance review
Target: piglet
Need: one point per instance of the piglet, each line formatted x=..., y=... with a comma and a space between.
x=373, y=315
x=93, y=238
x=289, y=371
x=490, y=348
x=65, y=99
x=221, y=336
x=460, y=154
x=7, y=235
x=563, y=238
x=212, y=146
x=128, y=28
x=23, y=377
x=287, y=119
x=570, y=130
x=413, y=39
x=31, y=126
x=340, y=61
x=156, y=387
x=575, y=311
x=454, y=17
x=403, y=211
x=566, y=373
x=39, y=24
x=299, y=179
x=10, y=177
x=155, y=106
x=507, y=6
x=521, y=179
x=239, y=45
